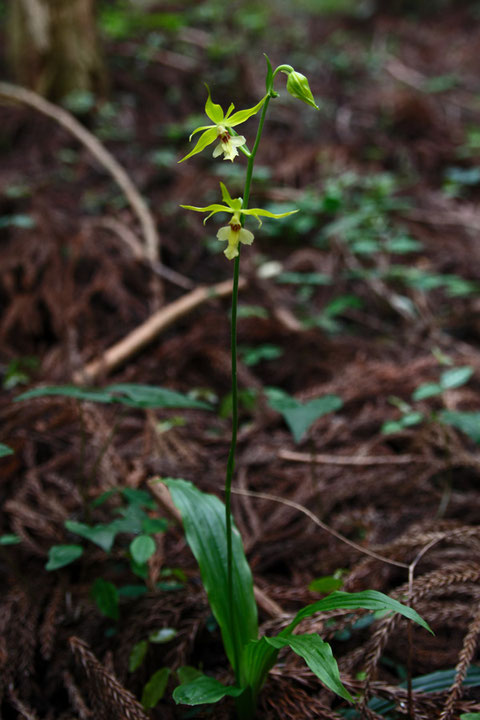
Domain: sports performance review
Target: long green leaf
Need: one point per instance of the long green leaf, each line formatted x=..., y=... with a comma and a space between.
x=319, y=658
x=130, y=394
x=367, y=600
x=258, y=658
x=204, y=689
x=204, y=522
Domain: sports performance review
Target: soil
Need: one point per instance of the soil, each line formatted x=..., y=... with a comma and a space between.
x=398, y=94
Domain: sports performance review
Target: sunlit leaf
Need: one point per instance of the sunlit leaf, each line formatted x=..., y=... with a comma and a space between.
x=164, y=635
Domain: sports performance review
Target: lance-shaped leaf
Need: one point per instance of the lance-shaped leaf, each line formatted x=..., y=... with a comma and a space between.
x=203, y=518
x=366, y=600
x=318, y=656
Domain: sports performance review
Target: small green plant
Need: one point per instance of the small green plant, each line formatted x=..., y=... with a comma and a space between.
x=208, y=524
x=453, y=377
x=132, y=519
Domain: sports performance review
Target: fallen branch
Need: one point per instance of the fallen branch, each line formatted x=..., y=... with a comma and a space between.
x=148, y=331
x=349, y=460
x=19, y=94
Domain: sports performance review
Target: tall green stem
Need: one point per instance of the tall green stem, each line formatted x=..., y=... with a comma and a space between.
x=233, y=443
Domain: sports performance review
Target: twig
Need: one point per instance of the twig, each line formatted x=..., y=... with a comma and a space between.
x=317, y=521
x=32, y=99
x=349, y=460
x=148, y=331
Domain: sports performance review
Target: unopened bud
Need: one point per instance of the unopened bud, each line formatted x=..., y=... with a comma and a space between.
x=297, y=85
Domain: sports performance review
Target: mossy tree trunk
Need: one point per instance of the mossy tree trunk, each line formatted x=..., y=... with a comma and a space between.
x=53, y=46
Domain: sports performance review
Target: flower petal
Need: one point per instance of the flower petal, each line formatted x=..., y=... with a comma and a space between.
x=224, y=233
x=218, y=150
x=226, y=197
x=231, y=252
x=242, y=115
x=208, y=137
x=237, y=140
x=246, y=237
x=212, y=110
x=199, y=129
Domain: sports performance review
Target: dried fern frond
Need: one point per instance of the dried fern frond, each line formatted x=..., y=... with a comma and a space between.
x=108, y=696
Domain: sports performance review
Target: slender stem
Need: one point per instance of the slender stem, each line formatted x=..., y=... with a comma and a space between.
x=231, y=463
x=233, y=443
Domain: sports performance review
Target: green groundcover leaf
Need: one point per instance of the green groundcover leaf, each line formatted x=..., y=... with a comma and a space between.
x=138, y=396
x=61, y=555
x=204, y=523
x=300, y=416
x=101, y=535
x=319, y=658
x=10, y=539
x=142, y=548
x=5, y=450
x=204, y=689
x=105, y=595
x=467, y=422
x=155, y=688
x=137, y=655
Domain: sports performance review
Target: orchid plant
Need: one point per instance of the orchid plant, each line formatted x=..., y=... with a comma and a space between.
x=208, y=524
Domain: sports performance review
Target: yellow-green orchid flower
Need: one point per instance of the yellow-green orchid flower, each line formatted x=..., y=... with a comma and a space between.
x=221, y=130
x=234, y=233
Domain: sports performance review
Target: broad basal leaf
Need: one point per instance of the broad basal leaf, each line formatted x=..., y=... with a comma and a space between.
x=204, y=522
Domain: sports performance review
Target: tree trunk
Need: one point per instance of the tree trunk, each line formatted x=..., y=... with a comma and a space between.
x=53, y=46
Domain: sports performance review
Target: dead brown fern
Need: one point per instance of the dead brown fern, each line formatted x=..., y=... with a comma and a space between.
x=75, y=697
x=425, y=586
x=465, y=658
x=107, y=695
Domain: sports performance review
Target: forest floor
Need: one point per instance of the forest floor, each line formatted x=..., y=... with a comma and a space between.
x=369, y=293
